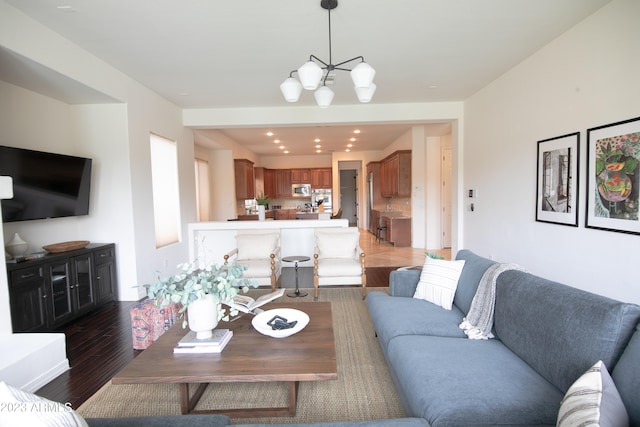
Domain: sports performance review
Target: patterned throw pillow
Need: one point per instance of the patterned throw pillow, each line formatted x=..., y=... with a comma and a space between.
x=20, y=408
x=439, y=281
x=593, y=400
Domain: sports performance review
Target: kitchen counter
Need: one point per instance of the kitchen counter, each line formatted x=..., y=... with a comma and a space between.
x=210, y=241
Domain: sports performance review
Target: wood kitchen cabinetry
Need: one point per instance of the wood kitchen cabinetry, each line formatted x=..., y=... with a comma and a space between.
x=300, y=176
x=245, y=179
x=283, y=183
x=48, y=292
x=284, y=214
x=321, y=178
x=270, y=183
x=395, y=173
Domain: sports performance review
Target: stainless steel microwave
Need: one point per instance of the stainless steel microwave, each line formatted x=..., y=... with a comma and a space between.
x=301, y=190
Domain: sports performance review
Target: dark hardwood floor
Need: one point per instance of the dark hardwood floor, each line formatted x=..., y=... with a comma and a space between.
x=98, y=346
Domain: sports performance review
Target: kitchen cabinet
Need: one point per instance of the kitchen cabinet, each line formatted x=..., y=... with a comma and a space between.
x=283, y=183
x=321, y=178
x=285, y=214
x=48, y=292
x=269, y=178
x=399, y=231
x=395, y=173
x=300, y=176
x=245, y=179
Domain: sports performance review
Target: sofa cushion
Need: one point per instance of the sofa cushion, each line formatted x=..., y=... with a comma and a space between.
x=452, y=381
x=559, y=330
x=395, y=316
x=337, y=242
x=258, y=268
x=438, y=281
x=256, y=246
x=23, y=408
x=474, y=267
x=626, y=375
x=336, y=267
x=593, y=400
x=403, y=283
x=394, y=422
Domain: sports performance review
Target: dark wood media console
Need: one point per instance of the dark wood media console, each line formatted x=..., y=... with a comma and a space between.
x=47, y=292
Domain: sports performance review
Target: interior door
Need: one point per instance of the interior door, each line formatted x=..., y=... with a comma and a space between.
x=348, y=195
x=446, y=198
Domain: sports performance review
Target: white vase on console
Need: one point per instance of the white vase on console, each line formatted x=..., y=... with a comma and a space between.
x=17, y=247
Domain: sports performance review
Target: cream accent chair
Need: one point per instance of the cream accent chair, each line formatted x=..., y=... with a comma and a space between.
x=338, y=259
x=259, y=250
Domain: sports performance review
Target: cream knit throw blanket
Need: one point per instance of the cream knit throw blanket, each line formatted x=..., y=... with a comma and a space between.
x=479, y=321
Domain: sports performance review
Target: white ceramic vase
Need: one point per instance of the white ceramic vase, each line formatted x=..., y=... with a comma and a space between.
x=17, y=246
x=261, y=213
x=203, y=316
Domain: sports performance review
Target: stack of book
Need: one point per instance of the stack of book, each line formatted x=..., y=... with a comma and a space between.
x=190, y=344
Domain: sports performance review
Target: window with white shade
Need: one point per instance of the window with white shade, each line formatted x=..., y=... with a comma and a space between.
x=166, y=195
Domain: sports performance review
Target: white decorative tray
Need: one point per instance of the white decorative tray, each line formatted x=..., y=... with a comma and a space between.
x=260, y=322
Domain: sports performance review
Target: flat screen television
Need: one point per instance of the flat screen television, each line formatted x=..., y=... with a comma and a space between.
x=45, y=185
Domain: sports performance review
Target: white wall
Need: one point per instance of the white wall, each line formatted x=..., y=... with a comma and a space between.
x=116, y=136
x=587, y=77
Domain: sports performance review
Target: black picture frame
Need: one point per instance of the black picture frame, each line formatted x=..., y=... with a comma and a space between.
x=557, y=184
x=613, y=177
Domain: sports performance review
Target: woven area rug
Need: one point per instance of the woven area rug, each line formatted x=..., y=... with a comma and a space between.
x=364, y=389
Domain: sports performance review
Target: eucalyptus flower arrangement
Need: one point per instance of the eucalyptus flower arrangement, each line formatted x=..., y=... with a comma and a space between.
x=192, y=283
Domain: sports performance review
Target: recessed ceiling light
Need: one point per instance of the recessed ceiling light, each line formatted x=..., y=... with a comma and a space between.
x=269, y=133
x=352, y=139
x=349, y=145
x=347, y=150
x=318, y=151
x=318, y=146
x=316, y=140
x=276, y=141
x=286, y=152
x=281, y=147
x=356, y=131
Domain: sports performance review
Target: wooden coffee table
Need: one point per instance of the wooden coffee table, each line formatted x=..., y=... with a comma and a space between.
x=309, y=355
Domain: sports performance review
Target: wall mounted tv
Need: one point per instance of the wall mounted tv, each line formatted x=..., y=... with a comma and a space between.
x=45, y=185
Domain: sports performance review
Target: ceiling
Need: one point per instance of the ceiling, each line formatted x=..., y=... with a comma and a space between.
x=235, y=54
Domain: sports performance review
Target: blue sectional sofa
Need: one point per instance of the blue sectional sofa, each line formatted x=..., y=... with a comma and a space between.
x=546, y=336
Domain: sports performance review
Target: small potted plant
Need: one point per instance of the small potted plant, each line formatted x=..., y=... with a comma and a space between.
x=262, y=200
x=200, y=291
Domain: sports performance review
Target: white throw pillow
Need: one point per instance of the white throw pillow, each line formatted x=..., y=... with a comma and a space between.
x=256, y=246
x=20, y=408
x=438, y=281
x=593, y=400
x=337, y=243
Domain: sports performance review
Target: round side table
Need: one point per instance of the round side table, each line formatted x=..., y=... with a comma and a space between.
x=296, y=260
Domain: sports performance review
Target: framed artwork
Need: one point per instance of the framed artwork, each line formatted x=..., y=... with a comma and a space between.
x=613, y=176
x=557, y=183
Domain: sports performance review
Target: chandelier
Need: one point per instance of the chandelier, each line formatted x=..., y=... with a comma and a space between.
x=315, y=72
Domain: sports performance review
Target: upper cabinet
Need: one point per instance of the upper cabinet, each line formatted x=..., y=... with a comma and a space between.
x=395, y=174
x=270, y=183
x=321, y=178
x=245, y=179
x=300, y=176
x=283, y=182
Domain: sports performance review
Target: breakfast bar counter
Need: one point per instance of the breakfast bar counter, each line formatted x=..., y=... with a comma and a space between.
x=210, y=241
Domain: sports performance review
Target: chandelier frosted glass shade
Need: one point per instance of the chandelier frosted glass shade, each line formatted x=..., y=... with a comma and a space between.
x=365, y=94
x=323, y=96
x=291, y=89
x=310, y=74
x=362, y=75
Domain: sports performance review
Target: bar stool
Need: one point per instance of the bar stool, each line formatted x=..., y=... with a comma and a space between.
x=382, y=226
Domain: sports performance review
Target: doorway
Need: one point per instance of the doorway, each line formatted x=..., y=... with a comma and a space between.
x=349, y=195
